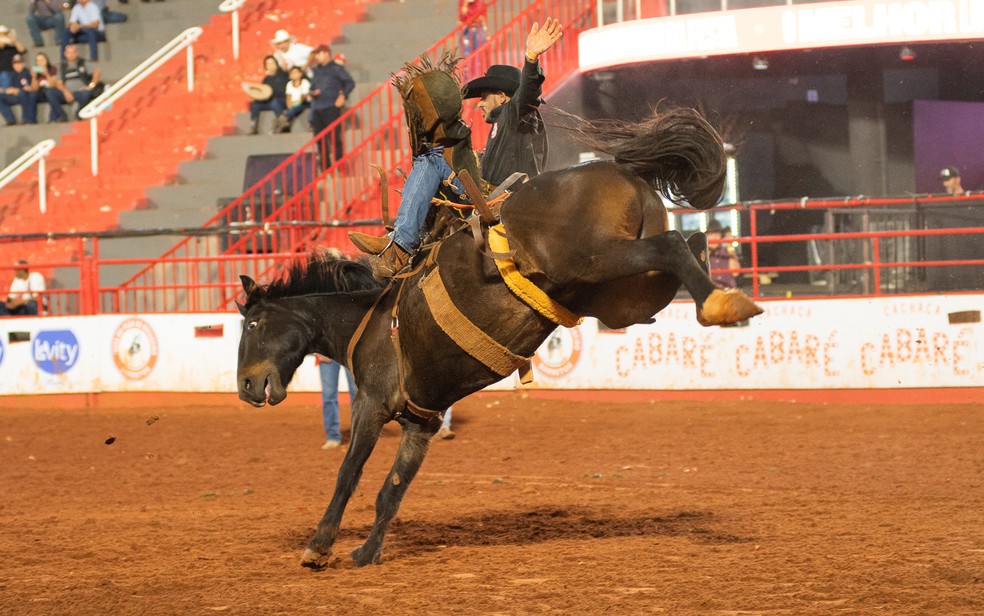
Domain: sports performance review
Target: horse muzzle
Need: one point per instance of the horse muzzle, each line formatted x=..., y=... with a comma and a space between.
x=260, y=388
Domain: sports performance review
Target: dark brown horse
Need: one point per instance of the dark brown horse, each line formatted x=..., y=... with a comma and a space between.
x=593, y=237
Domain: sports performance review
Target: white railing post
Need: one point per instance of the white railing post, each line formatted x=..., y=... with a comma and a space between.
x=42, y=186
x=23, y=162
x=191, y=67
x=232, y=6
x=94, y=145
x=105, y=100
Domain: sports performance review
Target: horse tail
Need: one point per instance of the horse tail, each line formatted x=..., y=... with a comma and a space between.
x=677, y=152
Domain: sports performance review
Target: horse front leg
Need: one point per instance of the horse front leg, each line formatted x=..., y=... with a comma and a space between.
x=413, y=448
x=366, y=427
x=668, y=252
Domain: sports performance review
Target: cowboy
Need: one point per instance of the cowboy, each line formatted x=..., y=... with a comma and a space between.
x=517, y=143
x=510, y=101
x=441, y=145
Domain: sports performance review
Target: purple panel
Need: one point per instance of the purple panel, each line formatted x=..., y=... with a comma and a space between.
x=948, y=133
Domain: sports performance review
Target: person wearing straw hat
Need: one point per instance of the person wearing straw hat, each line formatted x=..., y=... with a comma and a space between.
x=288, y=52
x=510, y=99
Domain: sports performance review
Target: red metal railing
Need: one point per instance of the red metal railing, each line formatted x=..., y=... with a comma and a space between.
x=864, y=258
x=302, y=188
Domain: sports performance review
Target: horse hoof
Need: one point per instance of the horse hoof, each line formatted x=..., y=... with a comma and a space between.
x=726, y=307
x=315, y=560
x=363, y=556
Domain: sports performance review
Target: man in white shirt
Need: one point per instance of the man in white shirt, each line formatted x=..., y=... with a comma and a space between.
x=289, y=53
x=85, y=24
x=25, y=290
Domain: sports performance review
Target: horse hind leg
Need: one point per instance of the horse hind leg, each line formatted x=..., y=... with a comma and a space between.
x=414, y=444
x=668, y=252
x=366, y=427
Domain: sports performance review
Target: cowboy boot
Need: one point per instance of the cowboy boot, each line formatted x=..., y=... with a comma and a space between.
x=389, y=262
x=369, y=244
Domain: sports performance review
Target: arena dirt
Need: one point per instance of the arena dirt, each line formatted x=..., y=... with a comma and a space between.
x=538, y=507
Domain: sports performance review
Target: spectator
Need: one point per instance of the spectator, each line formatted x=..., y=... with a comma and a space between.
x=276, y=80
x=473, y=35
x=724, y=259
x=331, y=85
x=289, y=53
x=77, y=85
x=298, y=95
x=22, y=91
x=510, y=101
x=9, y=47
x=110, y=17
x=85, y=24
x=950, y=176
x=45, y=15
x=329, y=400
x=24, y=294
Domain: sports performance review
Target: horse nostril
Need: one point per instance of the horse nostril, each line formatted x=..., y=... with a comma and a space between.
x=247, y=384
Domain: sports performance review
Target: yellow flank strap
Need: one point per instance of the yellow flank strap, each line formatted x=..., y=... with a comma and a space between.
x=525, y=290
x=466, y=334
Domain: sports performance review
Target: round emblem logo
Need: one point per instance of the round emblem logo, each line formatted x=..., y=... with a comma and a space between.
x=559, y=354
x=135, y=348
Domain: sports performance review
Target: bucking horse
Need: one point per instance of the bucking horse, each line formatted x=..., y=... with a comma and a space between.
x=590, y=240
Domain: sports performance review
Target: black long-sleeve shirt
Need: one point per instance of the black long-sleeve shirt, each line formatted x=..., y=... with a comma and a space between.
x=518, y=141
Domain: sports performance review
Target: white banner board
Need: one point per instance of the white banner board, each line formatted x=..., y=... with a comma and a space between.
x=882, y=343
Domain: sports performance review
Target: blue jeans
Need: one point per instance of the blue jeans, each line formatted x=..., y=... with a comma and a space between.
x=36, y=24
x=297, y=110
x=428, y=171
x=56, y=99
x=28, y=102
x=329, y=398
x=276, y=105
x=92, y=36
x=471, y=39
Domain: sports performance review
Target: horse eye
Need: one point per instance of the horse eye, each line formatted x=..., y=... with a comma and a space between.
x=251, y=325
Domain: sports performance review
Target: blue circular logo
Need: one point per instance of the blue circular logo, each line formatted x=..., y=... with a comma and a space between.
x=55, y=351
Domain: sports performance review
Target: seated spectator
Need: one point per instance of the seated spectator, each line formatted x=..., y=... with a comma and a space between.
x=950, y=177
x=276, y=79
x=24, y=294
x=45, y=15
x=9, y=47
x=289, y=53
x=85, y=24
x=110, y=17
x=298, y=95
x=22, y=91
x=77, y=85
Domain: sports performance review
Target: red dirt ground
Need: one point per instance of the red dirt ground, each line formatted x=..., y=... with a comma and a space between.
x=538, y=507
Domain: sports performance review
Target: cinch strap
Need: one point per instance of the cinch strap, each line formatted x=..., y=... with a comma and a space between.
x=532, y=295
x=466, y=334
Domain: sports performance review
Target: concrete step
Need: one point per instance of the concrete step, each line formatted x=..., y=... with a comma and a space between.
x=287, y=143
x=165, y=218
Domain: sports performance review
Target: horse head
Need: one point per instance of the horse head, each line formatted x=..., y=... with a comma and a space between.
x=306, y=311
x=272, y=346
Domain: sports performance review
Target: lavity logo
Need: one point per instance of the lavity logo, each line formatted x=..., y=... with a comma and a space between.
x=56, y=351
x=1, y=351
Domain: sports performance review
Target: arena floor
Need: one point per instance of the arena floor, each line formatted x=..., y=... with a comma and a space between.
x=538, y=507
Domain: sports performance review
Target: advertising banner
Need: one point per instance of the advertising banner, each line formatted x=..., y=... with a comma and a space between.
x=879, y=343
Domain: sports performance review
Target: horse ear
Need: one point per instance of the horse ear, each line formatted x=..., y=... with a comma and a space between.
x=242, y=308
x=249, y=285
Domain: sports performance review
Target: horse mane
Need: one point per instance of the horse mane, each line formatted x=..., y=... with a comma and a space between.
x=320, y=273
x=677, y=152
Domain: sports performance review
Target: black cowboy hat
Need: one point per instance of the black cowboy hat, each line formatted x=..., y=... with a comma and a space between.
x=499, y=78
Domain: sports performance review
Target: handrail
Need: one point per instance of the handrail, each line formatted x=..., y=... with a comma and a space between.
x=104, y=101
x=28, y=158
x=233, y=6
